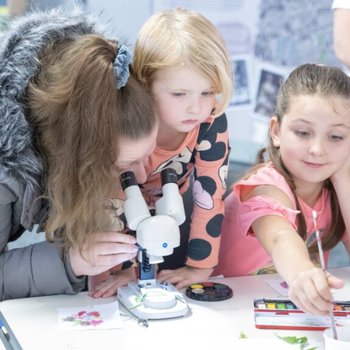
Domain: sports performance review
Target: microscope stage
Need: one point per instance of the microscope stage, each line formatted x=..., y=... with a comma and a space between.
x=153, y=302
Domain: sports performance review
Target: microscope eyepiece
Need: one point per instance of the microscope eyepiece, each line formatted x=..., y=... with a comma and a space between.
x=128, y=179
x=168, y=175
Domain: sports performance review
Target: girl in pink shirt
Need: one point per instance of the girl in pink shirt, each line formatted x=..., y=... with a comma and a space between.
x=268, y=223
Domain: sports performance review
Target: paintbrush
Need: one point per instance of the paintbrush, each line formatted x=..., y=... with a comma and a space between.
x=323, y=266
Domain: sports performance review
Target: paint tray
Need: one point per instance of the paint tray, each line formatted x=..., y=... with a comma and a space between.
x=283, y=314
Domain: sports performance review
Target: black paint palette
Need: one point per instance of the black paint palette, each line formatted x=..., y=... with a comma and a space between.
x=209, y=291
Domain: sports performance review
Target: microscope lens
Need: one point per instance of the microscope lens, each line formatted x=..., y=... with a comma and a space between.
x=168, y=176
x=127, y=179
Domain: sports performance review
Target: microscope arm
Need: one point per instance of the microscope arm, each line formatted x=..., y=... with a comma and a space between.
x=156, y=235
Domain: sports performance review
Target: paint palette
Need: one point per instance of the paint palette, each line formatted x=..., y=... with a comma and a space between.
x=283, y=314
x=209, y=291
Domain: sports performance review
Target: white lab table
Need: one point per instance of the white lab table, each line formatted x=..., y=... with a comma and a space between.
x=210, y=325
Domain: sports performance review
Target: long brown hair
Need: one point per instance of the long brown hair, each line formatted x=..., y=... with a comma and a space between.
x=79, y=117
x=310, y=79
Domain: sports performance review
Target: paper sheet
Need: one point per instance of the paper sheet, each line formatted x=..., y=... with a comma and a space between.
x=102, y=316
x=279, y=285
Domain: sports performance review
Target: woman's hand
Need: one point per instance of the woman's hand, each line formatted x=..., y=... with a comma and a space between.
x=102, y=251
x=184, y=276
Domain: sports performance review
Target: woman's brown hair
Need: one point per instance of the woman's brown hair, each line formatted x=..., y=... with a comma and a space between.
x=80, y=116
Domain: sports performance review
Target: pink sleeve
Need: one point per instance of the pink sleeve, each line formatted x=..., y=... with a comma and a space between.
x=260, y=206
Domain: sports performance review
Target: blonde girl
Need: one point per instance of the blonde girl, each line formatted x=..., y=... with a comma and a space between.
x=181, y=58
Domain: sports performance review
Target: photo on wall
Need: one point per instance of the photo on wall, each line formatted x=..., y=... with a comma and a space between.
x=243, y=84
x=269, y=79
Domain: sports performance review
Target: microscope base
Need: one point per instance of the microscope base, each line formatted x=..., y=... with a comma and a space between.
x=153, y=302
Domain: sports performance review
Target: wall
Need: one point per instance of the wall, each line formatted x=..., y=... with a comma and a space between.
x=123, y=17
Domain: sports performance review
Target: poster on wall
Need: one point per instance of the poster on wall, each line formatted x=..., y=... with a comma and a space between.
x=243, y=82
x=268, y=81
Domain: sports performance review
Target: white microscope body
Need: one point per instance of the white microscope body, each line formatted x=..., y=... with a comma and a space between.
x=157, y=236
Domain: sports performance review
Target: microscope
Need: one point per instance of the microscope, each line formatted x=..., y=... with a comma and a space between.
x=156, y=236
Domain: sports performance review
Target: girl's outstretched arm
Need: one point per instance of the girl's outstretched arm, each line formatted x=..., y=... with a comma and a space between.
x=309, y=286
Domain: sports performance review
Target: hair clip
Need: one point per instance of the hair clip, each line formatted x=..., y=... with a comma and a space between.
x=121, y=66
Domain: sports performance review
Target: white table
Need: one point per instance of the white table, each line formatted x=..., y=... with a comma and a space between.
x=211, y=324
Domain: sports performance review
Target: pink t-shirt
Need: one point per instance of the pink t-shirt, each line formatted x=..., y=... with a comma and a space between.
x=240, y=252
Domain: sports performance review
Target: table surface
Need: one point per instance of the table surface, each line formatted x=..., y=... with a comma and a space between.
x=210, y=324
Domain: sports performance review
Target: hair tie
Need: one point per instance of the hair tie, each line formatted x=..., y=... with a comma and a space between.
x=121, y=66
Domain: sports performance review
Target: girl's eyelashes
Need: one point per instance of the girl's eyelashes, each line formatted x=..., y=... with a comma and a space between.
x=336, y=138
x=302, y=133
x=178, y=94
x=205, y=94
x=331, y=137
x=208, y=93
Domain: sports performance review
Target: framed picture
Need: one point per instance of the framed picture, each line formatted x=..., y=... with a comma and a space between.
x=243, y=89
x=269, y=79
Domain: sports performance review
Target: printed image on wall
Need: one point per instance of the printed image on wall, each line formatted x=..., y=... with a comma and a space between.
x=242, y=72
x=290, y=33
x=268, y=85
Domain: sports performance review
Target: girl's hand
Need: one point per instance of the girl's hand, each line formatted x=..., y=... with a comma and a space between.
x=109, y=287
x=102, y=251
x=184, y=276
x=310, y=291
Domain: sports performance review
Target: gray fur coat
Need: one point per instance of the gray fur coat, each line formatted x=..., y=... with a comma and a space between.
x=43, y=268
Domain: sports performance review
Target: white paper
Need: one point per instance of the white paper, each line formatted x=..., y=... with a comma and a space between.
x=101, y=316
x=279, y=285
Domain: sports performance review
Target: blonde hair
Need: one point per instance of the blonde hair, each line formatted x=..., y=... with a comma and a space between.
x=178, y=37
x=79, y=117
x=310, y=80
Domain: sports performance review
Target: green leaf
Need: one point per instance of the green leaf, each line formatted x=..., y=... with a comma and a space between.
x=293, y=339
x=242, y=336
x=302, y=341
x=289, y=340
